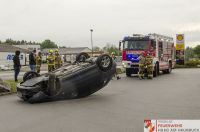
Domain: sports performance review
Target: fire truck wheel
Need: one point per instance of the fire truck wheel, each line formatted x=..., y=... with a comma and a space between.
x=128, y=73
x=170, y=68
x=156, y=70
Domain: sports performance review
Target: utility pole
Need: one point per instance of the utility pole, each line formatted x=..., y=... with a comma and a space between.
x=91, y=30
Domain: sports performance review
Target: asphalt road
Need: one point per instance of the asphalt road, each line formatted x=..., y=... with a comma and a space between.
x=121, y=106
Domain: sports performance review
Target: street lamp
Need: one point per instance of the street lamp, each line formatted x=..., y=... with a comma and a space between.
x=91, y=30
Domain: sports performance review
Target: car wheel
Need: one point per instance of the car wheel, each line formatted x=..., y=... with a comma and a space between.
x=82, y=57
x=104, y=62
x=29, y=75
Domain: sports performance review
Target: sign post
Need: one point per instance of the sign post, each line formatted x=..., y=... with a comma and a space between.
x=180, y=49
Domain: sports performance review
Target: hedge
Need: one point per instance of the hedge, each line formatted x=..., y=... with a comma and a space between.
x=189, y=64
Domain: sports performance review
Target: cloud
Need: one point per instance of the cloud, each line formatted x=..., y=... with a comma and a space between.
x=67, y=22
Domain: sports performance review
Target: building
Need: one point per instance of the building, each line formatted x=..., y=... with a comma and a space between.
x=7, y=53
x=29, y=46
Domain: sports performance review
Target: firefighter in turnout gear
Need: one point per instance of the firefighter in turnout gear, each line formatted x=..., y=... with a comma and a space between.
x=114, y=59
x=58, y=60
x=149, y=64
x=51, y=61
x=38, y=62
x=141, y=66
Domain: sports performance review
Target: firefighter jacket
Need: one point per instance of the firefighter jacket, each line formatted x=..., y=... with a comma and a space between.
x=149, y=60
x=142, y=60
x=58, y=60
x=38, y=60
x=51, y=59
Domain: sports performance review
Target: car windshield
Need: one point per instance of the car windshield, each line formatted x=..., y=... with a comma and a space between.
x=135, y=45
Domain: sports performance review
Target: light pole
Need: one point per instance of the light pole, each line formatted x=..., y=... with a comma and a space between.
x=91, y=30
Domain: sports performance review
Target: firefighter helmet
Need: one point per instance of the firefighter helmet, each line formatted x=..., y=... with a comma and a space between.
x=50, y=51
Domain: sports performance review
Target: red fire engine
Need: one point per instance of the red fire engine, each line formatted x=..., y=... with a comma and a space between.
x=160, y=46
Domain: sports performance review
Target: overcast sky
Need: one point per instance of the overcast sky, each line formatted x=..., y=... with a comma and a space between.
x=68, y=22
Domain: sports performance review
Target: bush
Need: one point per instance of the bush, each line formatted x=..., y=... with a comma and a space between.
x=189, y=64
x=192, y=63
x=181, y=66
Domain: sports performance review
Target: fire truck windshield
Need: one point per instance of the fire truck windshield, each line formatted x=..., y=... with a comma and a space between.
x=135, y=45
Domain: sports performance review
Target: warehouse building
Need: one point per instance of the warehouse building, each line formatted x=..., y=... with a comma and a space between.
x=7, y=53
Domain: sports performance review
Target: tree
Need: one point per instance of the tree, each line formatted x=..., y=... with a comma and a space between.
x=9, y=41
x=48, y=44
x=189, y=53
x=96, y=48
x=22, y=42
x=197, y=51
x=111, y=48
x=62, y=46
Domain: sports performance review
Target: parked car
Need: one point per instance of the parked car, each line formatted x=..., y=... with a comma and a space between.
x=80, y=79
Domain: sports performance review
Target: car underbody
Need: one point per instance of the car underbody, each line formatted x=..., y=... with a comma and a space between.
x=80, y=79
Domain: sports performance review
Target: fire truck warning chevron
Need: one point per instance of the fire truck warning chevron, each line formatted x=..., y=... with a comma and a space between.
x=160, y=46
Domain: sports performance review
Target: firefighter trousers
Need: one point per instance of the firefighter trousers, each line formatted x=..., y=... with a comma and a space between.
x=150, y=71
x=141, y=71
x=38, y=68
x=50, y=68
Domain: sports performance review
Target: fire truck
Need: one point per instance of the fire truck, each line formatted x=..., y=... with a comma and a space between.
x=160, y=46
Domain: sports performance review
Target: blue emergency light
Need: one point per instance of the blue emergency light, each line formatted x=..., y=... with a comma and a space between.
x=132, y=57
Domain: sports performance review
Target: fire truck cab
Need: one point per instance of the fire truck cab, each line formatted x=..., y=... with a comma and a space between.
x=160, y=46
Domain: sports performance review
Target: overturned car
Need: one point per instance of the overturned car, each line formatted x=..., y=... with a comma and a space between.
x=80, y=79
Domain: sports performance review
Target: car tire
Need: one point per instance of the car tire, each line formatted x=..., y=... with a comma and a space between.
x=29, y=75
x=104, y=62
x=82, y=57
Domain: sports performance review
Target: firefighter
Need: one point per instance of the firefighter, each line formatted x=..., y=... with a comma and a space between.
x=141, y=66
x=51, y=61
x=38, y=62
x=149, y=64
x=114, y=59
x=58, y=59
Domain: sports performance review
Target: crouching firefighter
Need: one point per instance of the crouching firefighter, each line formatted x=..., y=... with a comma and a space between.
x=141, y=66
x=51, y=61
x=149, y=64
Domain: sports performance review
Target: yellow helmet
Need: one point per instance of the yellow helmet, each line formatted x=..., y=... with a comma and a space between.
x=56, y=50
x=113, y=53
x=51, y=51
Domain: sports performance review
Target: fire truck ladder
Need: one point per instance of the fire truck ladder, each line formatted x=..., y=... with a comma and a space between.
x=158, y=36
